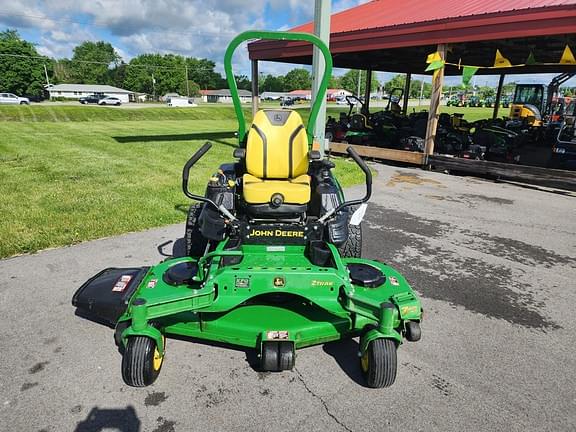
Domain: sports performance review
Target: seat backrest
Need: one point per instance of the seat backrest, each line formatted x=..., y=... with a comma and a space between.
x=277, y=145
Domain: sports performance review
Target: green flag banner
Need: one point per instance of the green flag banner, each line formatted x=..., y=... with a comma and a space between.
x=467, y=74
x=437, y=64
x=531, y=60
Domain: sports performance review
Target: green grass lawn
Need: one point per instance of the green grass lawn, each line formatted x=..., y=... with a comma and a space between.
x=69, y=174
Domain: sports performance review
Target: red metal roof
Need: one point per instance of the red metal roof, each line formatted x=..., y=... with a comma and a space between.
x=391, y=13
x=381, y=26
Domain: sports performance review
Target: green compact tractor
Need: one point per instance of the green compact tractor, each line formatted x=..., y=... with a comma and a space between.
x=273, y=259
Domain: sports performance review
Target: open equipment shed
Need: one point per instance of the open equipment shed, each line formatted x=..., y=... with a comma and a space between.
x=384, y=35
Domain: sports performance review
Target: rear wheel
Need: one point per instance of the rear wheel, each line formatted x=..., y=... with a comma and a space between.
x=195, y=241
x=352, y=247
x=141, y=362
x=379, y=363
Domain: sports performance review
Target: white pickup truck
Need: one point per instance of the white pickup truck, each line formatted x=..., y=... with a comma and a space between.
x=12, y=99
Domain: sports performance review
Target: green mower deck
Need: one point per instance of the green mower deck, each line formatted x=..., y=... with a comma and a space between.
x=268, y=292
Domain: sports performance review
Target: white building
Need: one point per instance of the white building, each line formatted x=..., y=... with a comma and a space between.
x=224, y=96
x=76, y=91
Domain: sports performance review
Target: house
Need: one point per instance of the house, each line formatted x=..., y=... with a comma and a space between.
x=301, y=94
x=224, y=96
x=76, y=91
x=268, y=95
x=334, y=94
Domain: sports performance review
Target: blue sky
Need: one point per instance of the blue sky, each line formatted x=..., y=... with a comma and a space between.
x=199, y=28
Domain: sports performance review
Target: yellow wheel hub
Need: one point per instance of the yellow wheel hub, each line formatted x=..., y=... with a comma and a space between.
x=157, y=361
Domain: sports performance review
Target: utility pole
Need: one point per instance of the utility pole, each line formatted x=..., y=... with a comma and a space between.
x=322, y=30
x=46, y=75
x=187, y=83
x=153, y=88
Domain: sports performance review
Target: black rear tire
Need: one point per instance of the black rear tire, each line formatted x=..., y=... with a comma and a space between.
x=195, y=241
x=141, y=363
x=352, y=247
x=379, y=363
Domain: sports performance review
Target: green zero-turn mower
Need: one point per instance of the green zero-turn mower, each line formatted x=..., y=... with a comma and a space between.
x=273, y=259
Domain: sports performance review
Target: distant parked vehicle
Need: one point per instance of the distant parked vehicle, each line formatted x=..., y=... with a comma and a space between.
x=180, y=102
x=110, y=100
x=286, y=101
x=92, y=99
x=12, y=99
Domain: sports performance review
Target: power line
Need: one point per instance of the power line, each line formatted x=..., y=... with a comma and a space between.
x=101, y=63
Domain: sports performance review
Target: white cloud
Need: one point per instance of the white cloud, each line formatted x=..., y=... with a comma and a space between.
x=199, y=28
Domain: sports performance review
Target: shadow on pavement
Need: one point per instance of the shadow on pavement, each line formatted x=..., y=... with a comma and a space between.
x=121, y=420
x=345, y=352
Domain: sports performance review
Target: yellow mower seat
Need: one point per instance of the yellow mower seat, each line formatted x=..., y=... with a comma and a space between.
x=277, y=159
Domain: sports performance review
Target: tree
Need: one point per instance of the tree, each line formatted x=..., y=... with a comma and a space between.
x=242, y=82
x=92, y=61
x=201, y=71
x=297, y=79
x=397, y=81
x=271, y=83
x=335, y=82
x=21, y=72
x=486, y=91
x=156, y=74
x=349, y=81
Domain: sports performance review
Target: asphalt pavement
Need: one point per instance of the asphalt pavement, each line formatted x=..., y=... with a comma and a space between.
x=494, y=264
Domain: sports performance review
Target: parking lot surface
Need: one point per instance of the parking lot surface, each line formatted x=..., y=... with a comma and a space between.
x=494, y=264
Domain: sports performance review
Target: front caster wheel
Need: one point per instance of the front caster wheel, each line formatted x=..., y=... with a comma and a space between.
x=141, y=362
x=379, y=363
x=412, y=331
x=277, y=356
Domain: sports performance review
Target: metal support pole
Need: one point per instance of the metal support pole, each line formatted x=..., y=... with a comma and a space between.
x=498, y=97
x=406, y=93
x=187, y=82
x=322, y=30
x=255, y=96
x=437, y=81
x=366, y=107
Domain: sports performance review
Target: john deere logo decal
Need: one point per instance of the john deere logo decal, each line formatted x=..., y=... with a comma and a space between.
x=279, y=282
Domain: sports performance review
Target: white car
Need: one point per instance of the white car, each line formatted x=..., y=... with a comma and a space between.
x=110, y=100
x=12, y=99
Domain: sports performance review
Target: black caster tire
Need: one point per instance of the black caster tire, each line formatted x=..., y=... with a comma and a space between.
x=412, y=331
x=379, y=363
x=269, y=360
x=286, y=356
x=352, y=247
x=195, y=241
x=141, y=362
x=277, y=356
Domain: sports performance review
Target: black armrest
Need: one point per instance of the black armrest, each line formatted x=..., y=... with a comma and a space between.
x=239, y=153
x=314, y=155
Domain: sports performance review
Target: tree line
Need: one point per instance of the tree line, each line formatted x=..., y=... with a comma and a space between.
x=25, y=72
